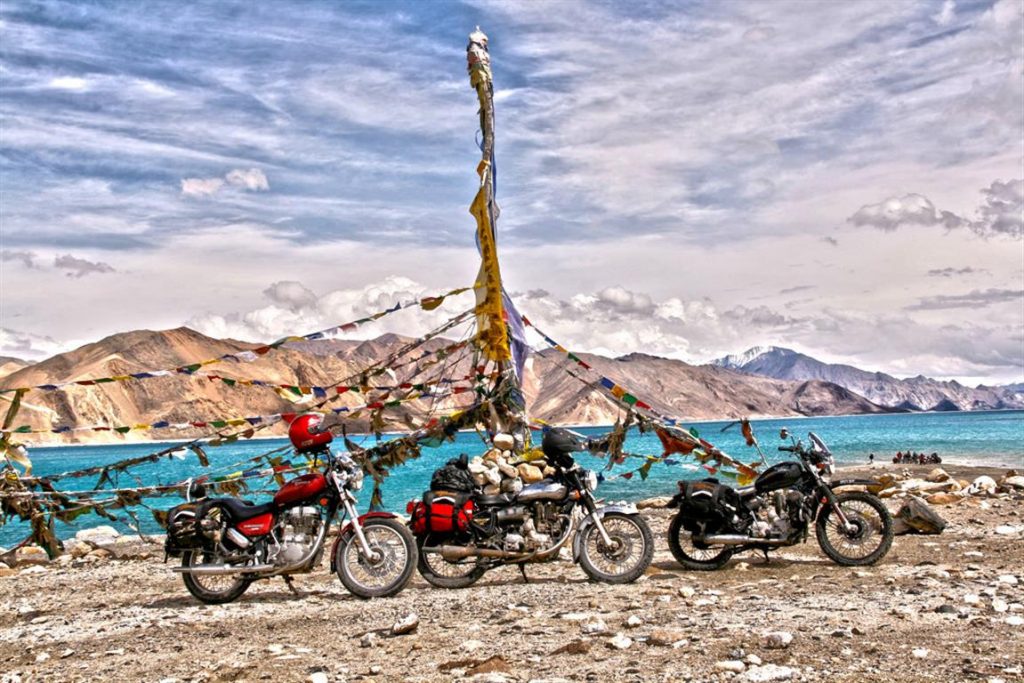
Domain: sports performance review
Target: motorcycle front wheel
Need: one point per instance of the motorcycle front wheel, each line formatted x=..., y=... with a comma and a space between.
x=626, y=558
x=693, y=555
x=213, y=589
x=868, y=537
x=388, y=570
x=442, y=573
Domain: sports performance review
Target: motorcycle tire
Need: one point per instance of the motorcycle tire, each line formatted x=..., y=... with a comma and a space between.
x=215, y=589
x=855, y=505
x=614, y=522
x=714, y=560
x=430, y=572
x=390, y=573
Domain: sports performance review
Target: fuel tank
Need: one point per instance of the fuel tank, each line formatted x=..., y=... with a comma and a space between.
x=780, y=476
x=301, y=488
x=543, y=490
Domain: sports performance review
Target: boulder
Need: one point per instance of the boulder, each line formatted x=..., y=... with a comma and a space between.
x=943, y=499
x=76, y=549
x=98, y=536
x=406, y=624
x=778, y=640
x=530, y=474
x=1015, y=482
x=504, y=441
x=666, y=637
x=983, y=485
x=30, y=554
x=920, y=517
x=659, y=502
x=937, y=475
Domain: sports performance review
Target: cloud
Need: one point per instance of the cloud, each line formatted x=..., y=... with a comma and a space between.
x=69, y=83
x=830, y=240
x=947, y=14
x=79, y=267
x=954, y=272
x=26, y=258
x=975, y=299
x=911, y=209
x=26, y=345
x=249, y=180
x=1000, y=213
x=293, y=295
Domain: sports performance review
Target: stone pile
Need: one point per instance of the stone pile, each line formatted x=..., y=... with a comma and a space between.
x=88, y=546
x=495, y=472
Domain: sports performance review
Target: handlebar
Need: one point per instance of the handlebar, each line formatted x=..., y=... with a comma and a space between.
x=791, y=449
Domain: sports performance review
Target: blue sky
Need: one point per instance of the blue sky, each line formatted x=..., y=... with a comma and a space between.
x=686, y=179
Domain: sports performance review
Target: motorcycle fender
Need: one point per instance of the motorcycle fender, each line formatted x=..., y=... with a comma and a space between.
x=588, y=521
x=347, y=529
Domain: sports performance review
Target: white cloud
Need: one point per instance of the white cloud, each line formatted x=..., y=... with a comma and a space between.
x=249, y=180
x=69, y=83
x=79, y=267
x=947, y=14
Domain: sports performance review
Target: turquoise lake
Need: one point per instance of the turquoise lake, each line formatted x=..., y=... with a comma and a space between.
x=990, y=438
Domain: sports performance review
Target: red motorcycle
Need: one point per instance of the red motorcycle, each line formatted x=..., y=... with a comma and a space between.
x=225, y=543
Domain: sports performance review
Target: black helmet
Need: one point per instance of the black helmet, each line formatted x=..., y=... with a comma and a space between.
x=559, y=443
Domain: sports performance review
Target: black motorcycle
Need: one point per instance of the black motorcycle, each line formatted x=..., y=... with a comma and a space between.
x=715, y=521
x=462, y=534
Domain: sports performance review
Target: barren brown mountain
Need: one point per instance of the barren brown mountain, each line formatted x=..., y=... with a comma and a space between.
x=672, y=387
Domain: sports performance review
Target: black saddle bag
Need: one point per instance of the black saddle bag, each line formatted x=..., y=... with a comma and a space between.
x=708, y=506
x=182, y=529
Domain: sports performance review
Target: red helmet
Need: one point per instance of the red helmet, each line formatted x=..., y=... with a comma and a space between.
x=307, y=435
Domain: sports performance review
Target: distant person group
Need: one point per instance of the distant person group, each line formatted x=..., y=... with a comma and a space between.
x=910, y=458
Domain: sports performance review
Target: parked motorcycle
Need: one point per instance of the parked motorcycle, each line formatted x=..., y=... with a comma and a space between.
x=461, y=535
x=225, y=543
x=715, y=521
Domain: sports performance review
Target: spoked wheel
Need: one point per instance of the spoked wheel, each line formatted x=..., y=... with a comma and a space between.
x=695, y=555
x=865, y=540
x=626, y=557
x=437, y=571
x=213, y=589
x=389, y=568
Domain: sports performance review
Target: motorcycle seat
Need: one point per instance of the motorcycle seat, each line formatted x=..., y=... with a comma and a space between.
x=746, y=491
x=243, y=509
x=499, y=499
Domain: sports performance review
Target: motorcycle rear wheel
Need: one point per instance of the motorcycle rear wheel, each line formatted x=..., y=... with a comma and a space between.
x=692, y=555
x=215, y=589
x=873, y=525
x=442, y=573
x=623, y=562
x=394, y=567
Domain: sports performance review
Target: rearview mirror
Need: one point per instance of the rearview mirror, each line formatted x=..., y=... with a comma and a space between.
x=783, y=433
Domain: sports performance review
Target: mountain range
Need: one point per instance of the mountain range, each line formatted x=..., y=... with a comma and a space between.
x=914, y=393
x=670, y=386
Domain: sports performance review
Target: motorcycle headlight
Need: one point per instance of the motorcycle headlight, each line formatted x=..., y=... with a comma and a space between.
x=590, y=480
x=355, y=479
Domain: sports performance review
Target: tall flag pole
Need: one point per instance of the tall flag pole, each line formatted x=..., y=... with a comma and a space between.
x=501, y=335
x=492, y=331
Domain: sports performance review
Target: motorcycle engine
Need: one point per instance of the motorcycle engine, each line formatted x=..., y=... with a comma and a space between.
x=297, y=532
x=779, y=515
x=533, y=533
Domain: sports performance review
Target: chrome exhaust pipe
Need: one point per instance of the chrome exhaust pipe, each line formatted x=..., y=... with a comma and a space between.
x=458, y=552
x=736, y=539
x=218, y=569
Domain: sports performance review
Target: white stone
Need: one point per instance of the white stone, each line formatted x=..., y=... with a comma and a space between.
x=98, y=535
x=921, y=652
x=593, y=626
x=1008, y=579
x=275, y=649
x=368, y=639
x=734, y=665
x=972, y=599
x=472, y=645
x=1006, y=530
x=42, y=657
x=687, y=591
x=406, y=624
x=620, y=642
x=318, y=677
x=1015, y=621
x=778, y=640
x=767, y=673
x=753, y=659
x=999, y=605
x=634, y=621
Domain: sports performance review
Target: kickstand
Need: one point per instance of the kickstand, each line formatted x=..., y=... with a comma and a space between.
x=522, y=570
x=291, y=585
x=766, y=558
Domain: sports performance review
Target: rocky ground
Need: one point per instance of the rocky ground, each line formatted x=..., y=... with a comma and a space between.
x=937, y=608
